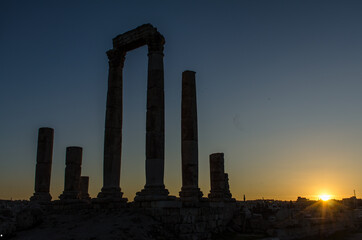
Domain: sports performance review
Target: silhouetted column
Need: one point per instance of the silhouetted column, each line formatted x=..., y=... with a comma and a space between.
x=43, y=165
x=113, y=128
x=227, y=186
x=217, y=176
x=72, y=173
x=155, y=124
x=84, y=185
x=189, y=139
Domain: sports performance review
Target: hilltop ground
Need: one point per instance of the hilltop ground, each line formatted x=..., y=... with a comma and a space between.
x=96, y=225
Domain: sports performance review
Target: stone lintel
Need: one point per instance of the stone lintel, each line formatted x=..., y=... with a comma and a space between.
x=137, y=37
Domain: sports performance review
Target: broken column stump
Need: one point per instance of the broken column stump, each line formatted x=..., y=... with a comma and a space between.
x=219, y=181
x=72, y=174
x=43, y=165
x=84, y=186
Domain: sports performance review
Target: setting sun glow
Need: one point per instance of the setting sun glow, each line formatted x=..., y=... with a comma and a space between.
x=324, y=197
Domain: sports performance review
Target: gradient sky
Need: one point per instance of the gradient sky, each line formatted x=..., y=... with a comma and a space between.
x=279, y=91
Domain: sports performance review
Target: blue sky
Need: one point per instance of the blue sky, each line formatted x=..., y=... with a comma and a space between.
x=278, y=90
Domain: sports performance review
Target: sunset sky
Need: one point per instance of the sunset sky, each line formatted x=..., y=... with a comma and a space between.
x=279, y=91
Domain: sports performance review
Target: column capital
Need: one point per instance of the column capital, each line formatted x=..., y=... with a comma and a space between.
x=155, y=44
x=155, y=48
x=116, y=58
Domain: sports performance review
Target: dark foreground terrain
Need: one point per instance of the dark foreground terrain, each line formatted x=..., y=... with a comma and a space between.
x=28, y=220
x=120, y=224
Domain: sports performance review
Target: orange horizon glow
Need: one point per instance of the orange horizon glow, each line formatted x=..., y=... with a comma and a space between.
x=324, y=197
x=25, y=192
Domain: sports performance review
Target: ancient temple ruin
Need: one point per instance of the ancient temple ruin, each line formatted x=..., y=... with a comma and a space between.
x=155, y=117
x=192, y=214
x=190, y=209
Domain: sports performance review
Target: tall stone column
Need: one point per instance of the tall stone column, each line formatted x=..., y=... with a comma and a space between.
x=113, y=128
x=217, y=177
x=189, y=139
x=73, y=163
x=155, y=124
x=43, y=165
x=84, y=185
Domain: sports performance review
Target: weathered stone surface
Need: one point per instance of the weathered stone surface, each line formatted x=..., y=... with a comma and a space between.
x=72, y=173
x=155, y=100
x=189, y=140
x=43, y=165
x=189, y=107
x=153, y=151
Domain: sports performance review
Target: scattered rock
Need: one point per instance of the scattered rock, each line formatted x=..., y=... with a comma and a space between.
x=28, y=218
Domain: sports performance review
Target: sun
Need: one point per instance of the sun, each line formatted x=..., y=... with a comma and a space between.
x=324, y=197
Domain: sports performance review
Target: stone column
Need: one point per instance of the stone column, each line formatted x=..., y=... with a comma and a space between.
x=189, y=139
x=73, y=163
x=113, y=129
x=84, y=185
x=155, y=124
x=217, y=177
x=43, y=165
x=227, y=187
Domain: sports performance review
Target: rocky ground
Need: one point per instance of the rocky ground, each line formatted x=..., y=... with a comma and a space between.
x=30, y=222
x=239, y=236
x=120, y=224
x=27, y=220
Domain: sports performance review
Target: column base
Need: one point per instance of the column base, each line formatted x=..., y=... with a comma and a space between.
x=109, y=203
x=220, y=196
x=190, y=194
x=68, y=204
x=69, y=195
x=41, y=197
x=111, y=194
x=152, y=194
x=85, y=196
